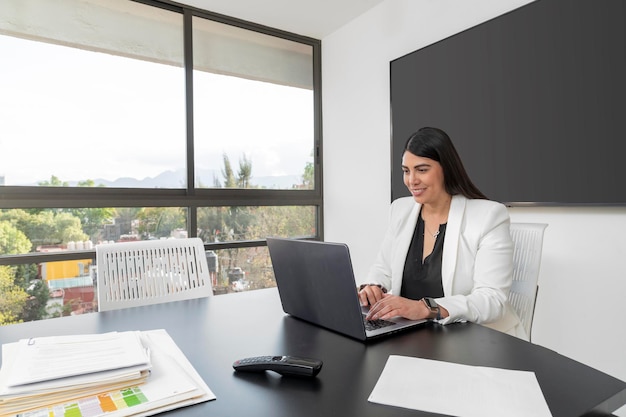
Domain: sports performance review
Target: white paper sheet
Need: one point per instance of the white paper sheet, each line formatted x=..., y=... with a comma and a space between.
x=459, y=390
x=50, y=358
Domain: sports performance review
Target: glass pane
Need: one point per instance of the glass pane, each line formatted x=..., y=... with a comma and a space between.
x=241, y=269
x=253, y=109
x=50, y=289
x=227, y=224
x=102, y=107
x=71, y=287
x=54, y=230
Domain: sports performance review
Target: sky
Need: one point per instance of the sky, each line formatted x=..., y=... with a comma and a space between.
x=83, y=115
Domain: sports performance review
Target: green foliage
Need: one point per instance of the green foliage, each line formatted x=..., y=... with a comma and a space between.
x=35, y=306
x=308, y=177
x=57, y=182
x=222, y=224
x=227, y=173
x=54, y=182
x=86, y=183
x=244, y=174
x=13, y=298
x=68, y=228
x=292, y=221
x=212, y=221
x=57, y=309
x=157, y=222
x=92, y=219
x=46, y=227
x=124, y=218
x=24, y=274
x=40, y=229
x=12, y=240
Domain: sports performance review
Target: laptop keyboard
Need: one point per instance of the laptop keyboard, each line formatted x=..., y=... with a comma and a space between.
x=376, y=324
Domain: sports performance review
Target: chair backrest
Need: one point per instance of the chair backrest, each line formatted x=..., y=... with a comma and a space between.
x=132, y=274
x=528, y=240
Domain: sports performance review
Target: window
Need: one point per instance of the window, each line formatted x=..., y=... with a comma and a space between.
x=91, y=98
x=253, y=103
x=124, y=120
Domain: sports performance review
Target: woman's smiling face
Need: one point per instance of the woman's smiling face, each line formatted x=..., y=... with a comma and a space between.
x=424, y=178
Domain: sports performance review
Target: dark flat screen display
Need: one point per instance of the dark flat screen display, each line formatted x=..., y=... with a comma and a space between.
x=534, y=100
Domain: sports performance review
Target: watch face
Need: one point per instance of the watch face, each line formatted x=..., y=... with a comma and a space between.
x=431, y=303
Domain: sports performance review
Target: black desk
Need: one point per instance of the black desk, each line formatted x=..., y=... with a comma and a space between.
x=214, y=332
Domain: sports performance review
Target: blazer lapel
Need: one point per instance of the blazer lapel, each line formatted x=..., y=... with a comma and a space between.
x=451, y=243
x=405, y=236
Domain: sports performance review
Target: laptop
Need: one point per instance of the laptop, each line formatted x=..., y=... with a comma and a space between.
x=316, y=283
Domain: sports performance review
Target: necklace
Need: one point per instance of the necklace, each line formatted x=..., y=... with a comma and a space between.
x=434, y=235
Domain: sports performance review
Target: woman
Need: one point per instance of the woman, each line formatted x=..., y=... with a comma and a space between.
x=448, y=253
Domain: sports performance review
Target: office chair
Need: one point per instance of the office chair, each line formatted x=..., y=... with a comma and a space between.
x=149, y=272
x=528, y=240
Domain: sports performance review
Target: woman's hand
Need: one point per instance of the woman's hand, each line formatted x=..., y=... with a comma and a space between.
x=392, y=306
x=371, y=294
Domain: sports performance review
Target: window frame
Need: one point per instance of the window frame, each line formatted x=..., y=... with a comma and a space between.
x=191, y=198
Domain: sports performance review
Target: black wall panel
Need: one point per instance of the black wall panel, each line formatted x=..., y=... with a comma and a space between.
x=534, y=100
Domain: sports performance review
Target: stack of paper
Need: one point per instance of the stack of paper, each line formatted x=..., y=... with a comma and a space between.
x=459, y=390
x=127, y=373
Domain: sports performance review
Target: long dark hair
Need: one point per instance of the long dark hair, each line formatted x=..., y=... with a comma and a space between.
x=435, y=144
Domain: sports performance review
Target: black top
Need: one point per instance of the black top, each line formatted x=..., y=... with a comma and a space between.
x=423, y=279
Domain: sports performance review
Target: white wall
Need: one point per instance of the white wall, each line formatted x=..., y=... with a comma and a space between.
x=583, y=276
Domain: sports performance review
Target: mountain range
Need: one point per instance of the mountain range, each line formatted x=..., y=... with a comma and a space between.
x=205, y=178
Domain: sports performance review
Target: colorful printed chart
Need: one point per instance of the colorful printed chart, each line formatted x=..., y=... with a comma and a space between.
x=94, y=406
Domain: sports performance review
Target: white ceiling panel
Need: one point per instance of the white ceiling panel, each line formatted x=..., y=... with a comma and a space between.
x=312, y=18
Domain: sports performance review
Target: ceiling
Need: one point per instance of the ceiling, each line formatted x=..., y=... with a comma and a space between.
x=312, y=18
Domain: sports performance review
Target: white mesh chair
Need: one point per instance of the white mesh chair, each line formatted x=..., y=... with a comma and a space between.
x=528, y=239
x=149, y=272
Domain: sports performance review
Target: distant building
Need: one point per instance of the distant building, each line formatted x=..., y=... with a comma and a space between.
x=111, y=232
x=178, y=234
x=70, y=281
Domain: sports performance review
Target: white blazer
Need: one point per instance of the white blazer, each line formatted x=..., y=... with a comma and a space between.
x=477, y=264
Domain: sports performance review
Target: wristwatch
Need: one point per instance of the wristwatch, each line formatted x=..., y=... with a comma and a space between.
x=432, y=305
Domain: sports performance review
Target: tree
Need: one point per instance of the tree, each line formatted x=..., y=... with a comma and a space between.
x=13, y=298
x=68, y=228
x=228, y=223
x=160, y=221
x=47, y=227
x=12, y=240
x=38, y=226
x=24, y=274
x=16, y=304
x=291, y=221
x=54, y=182
x=227, y=173
x=37, y=301
x=308, y=177
x=92, y=219
x=86, y=183
x=124, y=218
x=245, y=172
x=211, y=222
